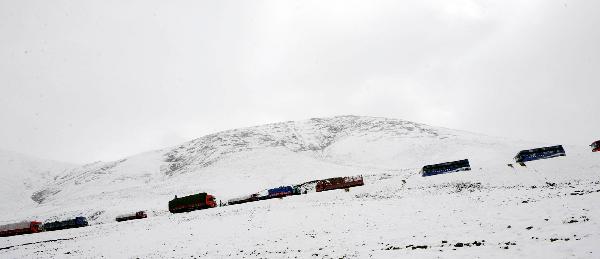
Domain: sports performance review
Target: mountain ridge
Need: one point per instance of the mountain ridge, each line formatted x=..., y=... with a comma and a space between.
x=235, y=161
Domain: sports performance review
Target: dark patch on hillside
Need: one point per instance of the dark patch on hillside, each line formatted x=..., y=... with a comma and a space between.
x=40, y=196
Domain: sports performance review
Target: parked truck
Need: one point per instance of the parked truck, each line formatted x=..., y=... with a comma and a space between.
x=539, y=153
x=76, y=222
x=130, y=216
x=20, y=228
x=339, y=183
x=447, y=167
x=192, y=202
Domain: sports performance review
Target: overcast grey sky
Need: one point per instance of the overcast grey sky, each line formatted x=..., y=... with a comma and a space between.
x=84, y=80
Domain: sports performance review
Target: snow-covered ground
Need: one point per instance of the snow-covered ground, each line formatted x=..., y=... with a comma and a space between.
x=548, y=209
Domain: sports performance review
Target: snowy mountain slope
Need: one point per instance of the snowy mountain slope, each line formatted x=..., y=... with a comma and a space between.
x=397, y=213
x=241, y=161
x=22, y=175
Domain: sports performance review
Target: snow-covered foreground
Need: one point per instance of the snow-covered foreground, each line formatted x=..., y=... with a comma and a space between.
x=550, y=209
x=396, y=214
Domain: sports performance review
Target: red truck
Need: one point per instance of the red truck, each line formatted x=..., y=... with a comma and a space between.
x=197, y=201
x=24, y=227
x=129, y=216
x=339, y=183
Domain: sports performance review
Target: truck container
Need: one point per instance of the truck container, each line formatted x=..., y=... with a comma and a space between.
x=192, y=202
x=20, y=228
x=339, y=183
x=448, y=167
x=281, y=191
x=244, y=199
x=65, y=224
x=130, y=216
x=539, y=153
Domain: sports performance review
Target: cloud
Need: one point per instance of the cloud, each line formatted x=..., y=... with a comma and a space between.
x=89, y=80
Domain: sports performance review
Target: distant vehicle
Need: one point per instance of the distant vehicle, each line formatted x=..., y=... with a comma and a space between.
x=595, y=146
x=305, y=188
x=280, y=192
x=65, y=224
x=24, y=227
x=244, y=199
x=448, y=167
x=192, y=202
x=539, y=153
x=263, y=195
x=130, y=216
x=339, y=183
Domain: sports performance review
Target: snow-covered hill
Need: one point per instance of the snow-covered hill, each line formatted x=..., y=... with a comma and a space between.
x=242, y=161
x=21, y=176
x=397, y=213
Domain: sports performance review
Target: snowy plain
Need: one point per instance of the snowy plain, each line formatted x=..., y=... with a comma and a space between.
x=549, y=209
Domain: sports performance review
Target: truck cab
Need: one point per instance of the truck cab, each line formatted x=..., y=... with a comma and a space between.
x=595, y=146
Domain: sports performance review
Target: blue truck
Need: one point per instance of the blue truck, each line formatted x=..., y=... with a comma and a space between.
x=65, y=224
x=539, y=153
x=448, y=167
x=280, y=192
